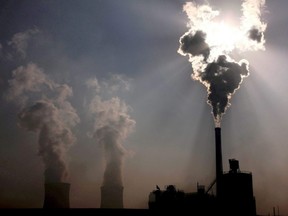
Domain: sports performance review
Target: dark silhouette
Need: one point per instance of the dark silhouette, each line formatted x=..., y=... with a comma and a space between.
x=237, y=191
x=219, y=166
x=234, y=193
x=235, y=198
x=177, y=201
x=112, y=196
x=56, y=195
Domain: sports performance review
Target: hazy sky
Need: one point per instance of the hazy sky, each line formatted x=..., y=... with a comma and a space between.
x=123, y=54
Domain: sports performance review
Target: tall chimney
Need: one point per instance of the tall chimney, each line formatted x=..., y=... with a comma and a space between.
x=112, y=196
x=219, y=166
x=57, y=195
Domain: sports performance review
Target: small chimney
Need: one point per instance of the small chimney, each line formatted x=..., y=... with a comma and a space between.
x=219, y=166
x=112, y=196
x=234, y=165
x=57, y=195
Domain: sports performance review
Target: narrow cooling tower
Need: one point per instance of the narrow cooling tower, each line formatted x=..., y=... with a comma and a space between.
x=219, y=166
x=57, y=195
x=111, y=196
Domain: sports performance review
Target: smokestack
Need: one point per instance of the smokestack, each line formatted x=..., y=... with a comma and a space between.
x=219, y=166
x=112, y=196
x=57, y=195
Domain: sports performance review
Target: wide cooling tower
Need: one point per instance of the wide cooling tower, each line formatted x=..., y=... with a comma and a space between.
x=57, y=195
x=112, y=196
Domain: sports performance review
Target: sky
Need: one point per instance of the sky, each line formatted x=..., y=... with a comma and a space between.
x=76, y=75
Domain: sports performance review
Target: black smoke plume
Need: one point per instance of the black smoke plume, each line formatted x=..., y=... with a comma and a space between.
x=208, y=44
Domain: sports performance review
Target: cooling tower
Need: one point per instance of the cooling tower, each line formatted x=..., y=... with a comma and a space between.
x=219, y=166
x=57, y=195
x=112, y=196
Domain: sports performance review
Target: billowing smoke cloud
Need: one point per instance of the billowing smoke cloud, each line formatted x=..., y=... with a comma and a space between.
x=208, y=44
x=111, y=127
x=51, y=116
x=18, y=45
x=25, y=80
x=19, y=41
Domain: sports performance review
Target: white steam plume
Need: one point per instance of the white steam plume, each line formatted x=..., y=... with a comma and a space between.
x=111, y=127
x=209, y=43
x=19, y=41
x=52, y=118
x=26, y=79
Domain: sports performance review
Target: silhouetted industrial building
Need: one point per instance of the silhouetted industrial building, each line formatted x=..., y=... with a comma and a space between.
x=235, y=198
x=234, y=193
x=112, y=196
x=237, y=191
x=56, y=195
x=172, y=200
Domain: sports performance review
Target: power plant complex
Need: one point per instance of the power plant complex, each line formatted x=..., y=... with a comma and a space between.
x=234, y=194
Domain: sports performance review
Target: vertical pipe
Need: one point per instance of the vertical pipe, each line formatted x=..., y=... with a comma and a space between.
x=219, y=166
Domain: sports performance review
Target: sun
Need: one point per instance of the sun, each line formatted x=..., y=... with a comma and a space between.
x=221, y=37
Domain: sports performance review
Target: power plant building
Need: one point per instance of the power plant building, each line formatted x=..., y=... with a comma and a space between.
x=237, y=191
x=234, y=193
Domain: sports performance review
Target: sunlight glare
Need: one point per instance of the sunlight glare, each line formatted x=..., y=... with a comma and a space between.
x=222, y=37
